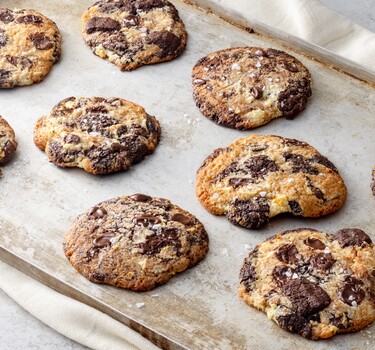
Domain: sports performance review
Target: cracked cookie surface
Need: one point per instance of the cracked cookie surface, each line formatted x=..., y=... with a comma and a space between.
x=8, y=144
x=133, y=33
x=247, y=87
x=135, y=242
x=258, y=177
x=100, y=135
x=313, y=283
x=30, y=43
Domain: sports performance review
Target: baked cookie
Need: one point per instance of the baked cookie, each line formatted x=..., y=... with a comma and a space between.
x=8, y=144
x=30, y=44
x=247, y=87
x=132, y=33
x=373, y=181
x=135, y=242
x=97, y=134
x=313, y=283
x=258, y=177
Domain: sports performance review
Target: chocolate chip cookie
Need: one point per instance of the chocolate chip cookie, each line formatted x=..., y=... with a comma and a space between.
x=30, y=44
x=8, y=144
x=133, y=33
x=97, y=134
x=258, y=177
x=247, y=87
x=313, y=283
x=135, y=242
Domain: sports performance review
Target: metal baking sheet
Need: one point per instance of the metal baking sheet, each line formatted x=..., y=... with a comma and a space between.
x=198, y=309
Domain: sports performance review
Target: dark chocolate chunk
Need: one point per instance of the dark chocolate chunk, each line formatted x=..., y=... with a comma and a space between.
x=151, y=124
x=295, y=207
x=167, y=41
x=282, y=273
x=324, y=161
x=291, y=67
x=306, y=297
x=294, y=142
x=97, y=213
x=293, y=99
x=102, y=24
x=260, y=53
x=296, y=324
x=342, y=321
x=315, y=190
x=6, y=15
x=116, y=6
x=352, y=237
x=91, y=253
x=116, y=43
x=154, y=243
x=71, y=138
x=3, y=38
x=322, y=261
x=103, y=240
x=96, y=122
x=9, y=149
x=314, y=243
x=4, y=75
x=138, y=197
x=288, y=254
x=258, y=148
x=352, y=293
x=183, y=219
x=30, y=19
x=145, y=220
x=252, y=214
x=256, y=92
x=148, y=5
x=136, y=149
x=41, y=42
x=300, y=164
x=99, y=276
x=248, y=274
x=236, y=182
x=19, y=60
x=130, y=21
x=259, y=166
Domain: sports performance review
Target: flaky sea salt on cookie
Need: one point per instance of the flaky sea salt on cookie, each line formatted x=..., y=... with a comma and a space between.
x=247, y=87
x=99, y=135
x=313, y=283
x=258, y=177
x=133, y=33
x=135, y=242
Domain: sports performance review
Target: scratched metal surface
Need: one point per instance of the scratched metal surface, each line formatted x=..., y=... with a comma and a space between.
x=198, y=309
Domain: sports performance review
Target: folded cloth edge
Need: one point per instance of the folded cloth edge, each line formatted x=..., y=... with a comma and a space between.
x=66, y=315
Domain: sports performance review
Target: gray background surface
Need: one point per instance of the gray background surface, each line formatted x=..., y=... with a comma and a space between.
x=20, y=330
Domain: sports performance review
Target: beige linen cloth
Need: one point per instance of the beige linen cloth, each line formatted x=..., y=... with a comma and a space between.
x=307, y=19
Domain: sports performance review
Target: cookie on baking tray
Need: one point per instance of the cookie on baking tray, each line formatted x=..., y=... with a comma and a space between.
x=8, y=144
x=135, y=242
x=133, y=33
x=313, y=283
x=97, y=134
x=247, y=87
x=30, y=43
x=258, y=177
